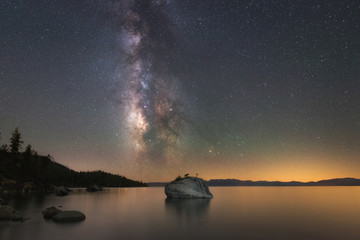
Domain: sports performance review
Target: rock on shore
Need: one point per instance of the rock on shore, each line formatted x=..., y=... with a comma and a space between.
x=189, y=187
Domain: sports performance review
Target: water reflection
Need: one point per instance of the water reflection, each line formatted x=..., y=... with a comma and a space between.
x=187, y=207
x=23, y=201
x=280, y=213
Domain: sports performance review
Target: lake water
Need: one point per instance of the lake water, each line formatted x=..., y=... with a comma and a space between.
x=234, y=213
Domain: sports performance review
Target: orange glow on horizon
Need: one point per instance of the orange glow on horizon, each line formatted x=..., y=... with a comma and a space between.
x=275, y=167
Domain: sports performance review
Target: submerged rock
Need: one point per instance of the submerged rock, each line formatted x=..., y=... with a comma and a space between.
x=9, y=213
x=50, y=212
x=69, y=216
x=190, y=187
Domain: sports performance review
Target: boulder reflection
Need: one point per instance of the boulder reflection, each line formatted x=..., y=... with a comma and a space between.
x=187, y=207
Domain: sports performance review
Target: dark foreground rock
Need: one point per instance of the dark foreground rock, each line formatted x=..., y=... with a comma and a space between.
x=94, y=188
x=63, y=216
x=50, y=212
x=9, y=213
x=190, y=187
x=69, y=216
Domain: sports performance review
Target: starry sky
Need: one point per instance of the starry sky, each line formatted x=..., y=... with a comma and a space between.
x=260, y=90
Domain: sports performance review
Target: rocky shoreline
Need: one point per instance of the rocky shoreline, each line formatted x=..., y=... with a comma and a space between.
x=10, y=186
x=24, y=173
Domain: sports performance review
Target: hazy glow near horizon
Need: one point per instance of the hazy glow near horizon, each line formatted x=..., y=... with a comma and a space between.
x=280, y=168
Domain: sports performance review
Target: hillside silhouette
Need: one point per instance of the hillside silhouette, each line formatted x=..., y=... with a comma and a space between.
x=24, y=172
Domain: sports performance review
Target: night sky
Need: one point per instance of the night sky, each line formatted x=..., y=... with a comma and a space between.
x=254, y=90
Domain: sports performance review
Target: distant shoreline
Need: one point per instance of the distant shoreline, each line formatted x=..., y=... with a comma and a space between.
x=237, y=182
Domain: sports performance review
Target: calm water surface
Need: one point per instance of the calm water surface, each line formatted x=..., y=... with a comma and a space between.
x=233, y=213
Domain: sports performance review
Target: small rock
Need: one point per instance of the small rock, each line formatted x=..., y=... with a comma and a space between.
x=61, y=191
x=50, y=212
x=94, y=188
x=69, y=216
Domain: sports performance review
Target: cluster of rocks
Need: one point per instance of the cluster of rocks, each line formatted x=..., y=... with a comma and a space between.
x=8, y=213
x=63, y=216
x=188, y=187
x=94, y=188
x=64, y=191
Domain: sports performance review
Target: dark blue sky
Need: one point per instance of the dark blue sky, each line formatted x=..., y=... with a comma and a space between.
x=152, y=89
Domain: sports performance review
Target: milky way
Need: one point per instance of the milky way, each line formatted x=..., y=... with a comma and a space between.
x=151, y=102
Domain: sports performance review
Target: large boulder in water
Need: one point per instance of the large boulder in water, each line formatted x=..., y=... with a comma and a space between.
x=189, y=187
x=69, y=216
